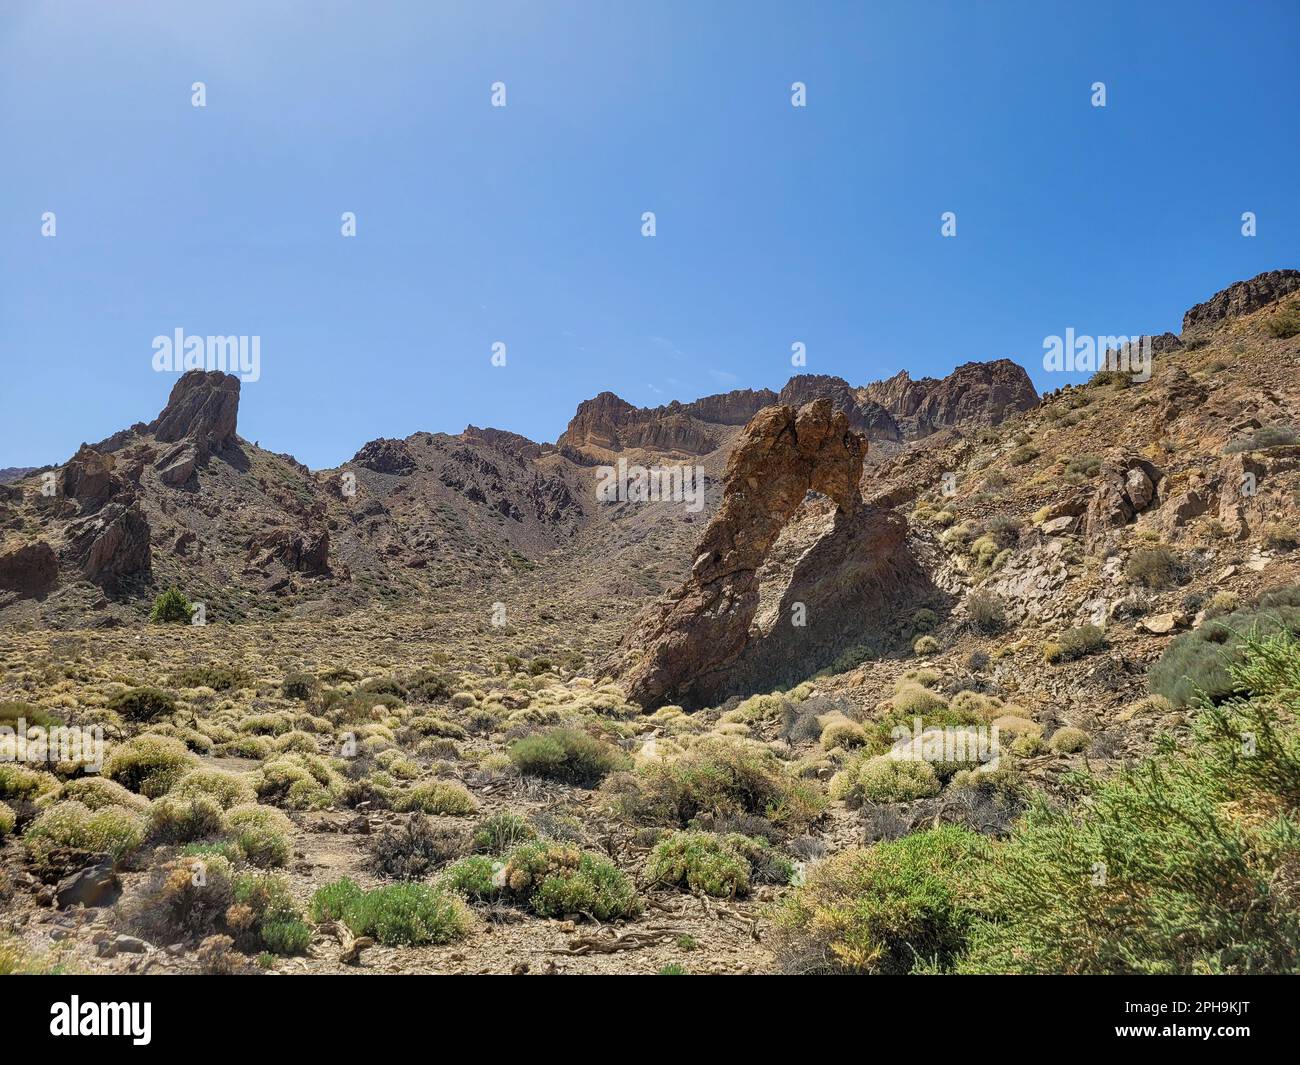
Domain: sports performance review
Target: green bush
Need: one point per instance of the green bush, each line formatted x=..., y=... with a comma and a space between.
x=356, y=706
x=109, y=830
x=395, y=915
x=701, y=861
x=143, y=704
x=437, y=797
x=1222, y=603
x=1085, y=466
x=476, y=877
x=884, y=779
x=1110, y=377
x=21, y=782
x=502, y=832
x=218, y=678
x=890, y=908
x=1001, y=529
x=722, y=777
x=987, y=613
x=8, y=819
x=149, y=764
x=1261, y=439
x=1284, y=322
x=262, y=833
x=1183, y=864
x=559, y=880
x=1153, y=567
x=389, y=686
x=224, y=848
x=298, y=781
x=227, y=788
x=286, y=936
x=1082, y=641
x=852, y=658
x=180, y=819
x=11, y=711
x=841, y=732
x=1068, y=740
x=1281, y=536
x=913, y=699
x=553, y=879
x=432, y=725
x=171, y=608
x=331, y=901
x=568, y=755
x=300, y=686
x=1199, y=663
x=427, y=685
x=266, y=915
x=766, y=864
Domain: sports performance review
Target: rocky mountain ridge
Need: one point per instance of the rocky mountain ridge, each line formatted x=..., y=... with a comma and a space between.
x=183, y=500
x=975, y=394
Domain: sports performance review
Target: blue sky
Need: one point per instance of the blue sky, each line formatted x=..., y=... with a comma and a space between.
x=523, y=224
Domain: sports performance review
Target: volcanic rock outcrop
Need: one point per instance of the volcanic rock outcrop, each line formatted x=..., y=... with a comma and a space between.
x=865, y=415
x=1127, y=486
x=200, y=418
x=1242, y=298
x=610, y=424
x=89, y=479
x=203, y=407
x=701, y=643
x=113, y=545
x=300, y=552
x=386, y=456
x=974, y=394
x=183, y=501
x=30, y=570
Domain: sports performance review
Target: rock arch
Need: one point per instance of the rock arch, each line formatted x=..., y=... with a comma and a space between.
x=783, y=453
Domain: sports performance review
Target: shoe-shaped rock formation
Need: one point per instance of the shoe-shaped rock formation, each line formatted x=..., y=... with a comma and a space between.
x=683, y=650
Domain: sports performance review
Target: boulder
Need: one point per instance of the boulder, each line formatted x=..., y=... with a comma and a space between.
x=1182, y=508
x=1240, y=507
x=1058, y=526
x=1139, y=488
x=1127, y=485
x=95, y=885
x=1181, y=394
x=1162, y=624
x=177, y=466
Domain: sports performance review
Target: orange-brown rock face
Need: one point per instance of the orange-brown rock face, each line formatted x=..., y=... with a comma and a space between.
x=203, y=406
x=782, y=454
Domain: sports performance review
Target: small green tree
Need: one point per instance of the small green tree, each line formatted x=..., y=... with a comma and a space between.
x=171, y=608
